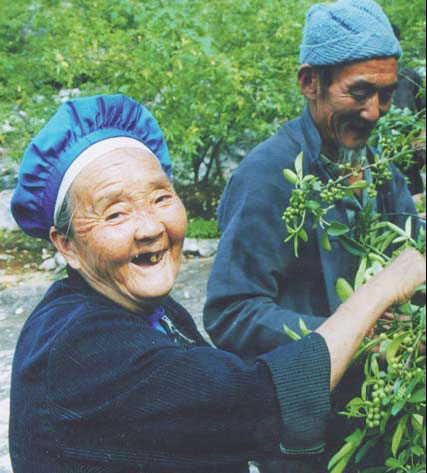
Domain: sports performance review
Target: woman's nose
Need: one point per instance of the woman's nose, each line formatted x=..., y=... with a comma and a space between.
x=147, y=226
x=371, y=111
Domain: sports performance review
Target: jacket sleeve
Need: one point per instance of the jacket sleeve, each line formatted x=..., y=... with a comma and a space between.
x=125, y=394
x=253, y=265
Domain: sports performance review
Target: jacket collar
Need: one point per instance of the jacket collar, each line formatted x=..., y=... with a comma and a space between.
x=337, y=262
x=311, y=134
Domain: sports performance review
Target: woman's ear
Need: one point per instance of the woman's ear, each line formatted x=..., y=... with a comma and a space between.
x=308, y=81
x=64, y=244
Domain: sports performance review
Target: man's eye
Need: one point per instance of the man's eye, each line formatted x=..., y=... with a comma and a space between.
x=360, y=96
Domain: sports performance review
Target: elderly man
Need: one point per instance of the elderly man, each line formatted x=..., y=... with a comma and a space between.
x=349, y=59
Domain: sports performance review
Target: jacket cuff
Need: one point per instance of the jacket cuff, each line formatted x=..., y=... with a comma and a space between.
x=301, y=373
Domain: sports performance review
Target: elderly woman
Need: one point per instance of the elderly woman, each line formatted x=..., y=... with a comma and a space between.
x=110, y=374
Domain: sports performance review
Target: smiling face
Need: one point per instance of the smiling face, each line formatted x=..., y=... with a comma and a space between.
x=128, y=228
x=359, y=95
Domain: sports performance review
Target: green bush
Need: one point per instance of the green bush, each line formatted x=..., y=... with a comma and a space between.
x=199, y=228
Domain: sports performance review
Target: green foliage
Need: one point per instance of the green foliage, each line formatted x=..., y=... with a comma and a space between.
x=209, y=71
x=392, y=402
x=213, y=73
x=199, y=228
x=411, y=20
x=22, y=251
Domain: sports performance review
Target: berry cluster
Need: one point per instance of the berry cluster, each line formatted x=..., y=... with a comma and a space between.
x=332, y=192
x=383, y=392
x=381, y=173
x=374, y=411
x=297, y=205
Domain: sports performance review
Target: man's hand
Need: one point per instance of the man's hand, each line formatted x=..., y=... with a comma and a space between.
x=405, y=274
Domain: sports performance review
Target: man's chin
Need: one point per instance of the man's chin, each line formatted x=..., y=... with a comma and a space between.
x=353, y=156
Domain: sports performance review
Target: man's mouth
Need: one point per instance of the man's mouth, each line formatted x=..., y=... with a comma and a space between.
x=148, y=258
x=361, y=128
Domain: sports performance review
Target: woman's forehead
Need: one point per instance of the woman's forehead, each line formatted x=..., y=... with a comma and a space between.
x=117, y=171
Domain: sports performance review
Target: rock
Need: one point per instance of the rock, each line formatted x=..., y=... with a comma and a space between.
x=8, y=171
x=190, y=246
x=60, y=262
x=56, y=263
x=200, y=247
x=6, y=258
x=48, y=264
x=6, y=220
x=208, y=248
x=66, y=94
x=7, y=127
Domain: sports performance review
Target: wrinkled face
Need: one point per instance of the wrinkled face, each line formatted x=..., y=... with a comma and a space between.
x=129, y=228
x=360, y=94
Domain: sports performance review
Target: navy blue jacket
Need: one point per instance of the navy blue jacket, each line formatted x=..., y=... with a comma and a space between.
x=96, y=389
x=257, y=284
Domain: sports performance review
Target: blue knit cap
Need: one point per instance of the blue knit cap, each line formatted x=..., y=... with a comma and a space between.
x=347, y=31
x=79, y=129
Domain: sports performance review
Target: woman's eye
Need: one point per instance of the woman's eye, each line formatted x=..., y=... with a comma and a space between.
x=162, y=198
x=114, y=216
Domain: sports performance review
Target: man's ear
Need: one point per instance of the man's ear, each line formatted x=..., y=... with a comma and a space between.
x=65, y=246
x=308, y=81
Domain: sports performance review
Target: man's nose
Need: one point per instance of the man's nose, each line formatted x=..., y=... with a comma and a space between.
x=147, y=226
x=371, y=111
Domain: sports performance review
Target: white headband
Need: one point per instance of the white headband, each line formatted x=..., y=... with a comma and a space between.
x=88, y=156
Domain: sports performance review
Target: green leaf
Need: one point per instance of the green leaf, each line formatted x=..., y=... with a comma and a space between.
x=304, y=329
x=340, y=466
x=340, y=460
x=393, y=463
x=419, y=396
x=337, y=229
x=377, y=258
x=352, y=246
x=312, y=205
x=291, y=334
x=374, y=364
x=326, y=244
x=344, y=290
x=303, y=235
x=360, y=275
x=417, y=422
x=343, y=453
x=359, y=185
x=408, y=227
x=290, y=176
x=365, y=449
x=398, y=434
x=298, y=165
x=394, y=347
x=397, y=229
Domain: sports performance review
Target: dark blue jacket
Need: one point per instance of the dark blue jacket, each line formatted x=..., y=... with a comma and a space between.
x=96, y=389
x=257, y=284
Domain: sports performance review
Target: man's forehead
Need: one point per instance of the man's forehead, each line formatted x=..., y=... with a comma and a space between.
x=378, y=72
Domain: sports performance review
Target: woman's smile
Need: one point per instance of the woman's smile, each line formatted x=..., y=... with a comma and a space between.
x=130, y=227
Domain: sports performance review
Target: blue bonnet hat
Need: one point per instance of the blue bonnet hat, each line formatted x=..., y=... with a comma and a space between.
x=347, y=31
x=79, y=132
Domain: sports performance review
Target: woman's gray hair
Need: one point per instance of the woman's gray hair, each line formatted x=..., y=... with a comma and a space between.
x=65, y=216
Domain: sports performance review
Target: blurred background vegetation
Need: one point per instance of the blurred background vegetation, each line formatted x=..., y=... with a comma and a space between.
x=218, y=76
